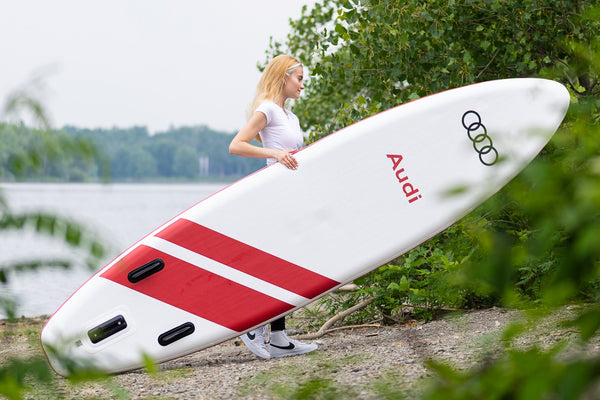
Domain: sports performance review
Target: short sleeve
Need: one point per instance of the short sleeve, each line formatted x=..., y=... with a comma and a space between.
x=267, y=109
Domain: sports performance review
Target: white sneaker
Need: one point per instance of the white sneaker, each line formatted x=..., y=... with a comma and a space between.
x=255, y=341
x=281, y=346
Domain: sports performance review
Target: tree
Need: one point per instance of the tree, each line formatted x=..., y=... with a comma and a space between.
x=30, y=153
x=130, y=162
x=171, y=151
x=368, y=56
x=186, y=163
x=524, y=247
x=164, y=153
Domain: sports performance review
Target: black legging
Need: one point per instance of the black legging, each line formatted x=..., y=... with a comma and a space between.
x=278, y=324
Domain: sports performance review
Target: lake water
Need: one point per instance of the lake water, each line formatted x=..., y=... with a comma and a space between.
x=120, y=214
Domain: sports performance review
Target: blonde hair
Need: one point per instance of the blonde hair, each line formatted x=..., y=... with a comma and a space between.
x=272, y=80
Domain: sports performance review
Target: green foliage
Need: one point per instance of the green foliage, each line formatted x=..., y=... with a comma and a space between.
x=537, y=242
x=29, y=153
x=76, y=155
x=316, y=388
x=134, y=154
x=62, y=229
x=293, y=381
x=547, y=237
x=35, y=152
x=424, y=280
x=527, y=375
x=368, y=56
x=530, y=373
x=14, y=375
x=32, y=158
x=186, y=163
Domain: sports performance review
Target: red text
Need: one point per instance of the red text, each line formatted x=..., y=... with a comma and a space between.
x=411, y=192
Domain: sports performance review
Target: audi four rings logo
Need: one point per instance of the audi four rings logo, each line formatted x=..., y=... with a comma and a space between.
x=482, y=143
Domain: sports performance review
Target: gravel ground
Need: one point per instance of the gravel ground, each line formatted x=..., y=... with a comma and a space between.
x=357, y=362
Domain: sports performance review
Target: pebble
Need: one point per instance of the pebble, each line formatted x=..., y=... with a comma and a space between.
x=351, y=359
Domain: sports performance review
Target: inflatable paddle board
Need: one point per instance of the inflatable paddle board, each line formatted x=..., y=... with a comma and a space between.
x=279, y=239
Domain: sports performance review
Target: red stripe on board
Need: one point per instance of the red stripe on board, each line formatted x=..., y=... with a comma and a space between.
x=197, y=291
x=247, y=259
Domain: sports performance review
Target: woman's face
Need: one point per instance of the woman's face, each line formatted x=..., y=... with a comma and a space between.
x=293, y=84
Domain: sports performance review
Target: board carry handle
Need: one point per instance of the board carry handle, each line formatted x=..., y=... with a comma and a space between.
x=176, y=333
x=107, y=329
x=145, y=270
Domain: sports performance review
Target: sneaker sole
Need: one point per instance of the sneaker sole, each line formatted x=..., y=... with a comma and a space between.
x=295, y=352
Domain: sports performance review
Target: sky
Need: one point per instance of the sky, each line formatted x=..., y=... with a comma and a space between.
x=153, y=63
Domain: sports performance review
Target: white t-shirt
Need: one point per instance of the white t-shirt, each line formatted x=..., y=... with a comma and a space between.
x=282, y=131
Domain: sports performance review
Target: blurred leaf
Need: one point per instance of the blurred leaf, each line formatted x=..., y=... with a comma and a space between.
x=588, y=323
x=14, y=375
x=150, y=365
x=24, y=152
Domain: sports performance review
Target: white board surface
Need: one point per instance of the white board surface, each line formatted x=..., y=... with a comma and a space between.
x=278, y=239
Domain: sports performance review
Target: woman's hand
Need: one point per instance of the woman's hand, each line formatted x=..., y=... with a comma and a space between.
x=286, y=158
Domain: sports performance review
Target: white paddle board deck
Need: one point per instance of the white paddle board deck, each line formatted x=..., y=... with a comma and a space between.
x=278, y=239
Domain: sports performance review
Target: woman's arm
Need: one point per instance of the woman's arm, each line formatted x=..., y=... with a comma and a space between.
x=240, y=145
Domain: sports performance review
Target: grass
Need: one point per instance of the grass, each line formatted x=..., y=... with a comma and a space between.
x=314, y=376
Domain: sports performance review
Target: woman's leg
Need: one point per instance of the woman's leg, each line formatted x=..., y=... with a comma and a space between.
x=278, y=325
x=281, y=345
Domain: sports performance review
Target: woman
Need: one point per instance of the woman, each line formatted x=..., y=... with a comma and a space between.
x=279, y=131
